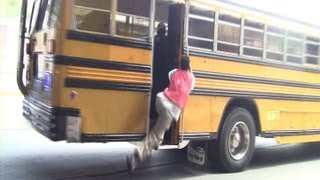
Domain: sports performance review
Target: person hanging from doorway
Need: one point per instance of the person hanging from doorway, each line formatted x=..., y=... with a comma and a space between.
x=161, y=66
x=169, y=104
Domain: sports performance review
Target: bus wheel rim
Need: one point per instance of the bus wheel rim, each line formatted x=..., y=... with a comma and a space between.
x=238, y=141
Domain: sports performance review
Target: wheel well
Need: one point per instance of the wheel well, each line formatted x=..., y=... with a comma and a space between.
x=249, y=105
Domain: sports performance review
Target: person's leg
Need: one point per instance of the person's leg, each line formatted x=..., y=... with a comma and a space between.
x=155, y=136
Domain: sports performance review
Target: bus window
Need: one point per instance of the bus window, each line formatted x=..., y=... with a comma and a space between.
x=162, y=11
x=132, y=19
x=201, y=37
x=34, y=15
x=312, y=51
x=253, y=38
x=93, y=16
x=275, y=43
x=294, y=48
x=52, y=12
x=229, y=34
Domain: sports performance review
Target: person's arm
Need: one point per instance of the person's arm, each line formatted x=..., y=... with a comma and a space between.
x=171, y=73
x=193, y=81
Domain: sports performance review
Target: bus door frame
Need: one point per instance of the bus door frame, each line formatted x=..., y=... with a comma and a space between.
x=176, y=30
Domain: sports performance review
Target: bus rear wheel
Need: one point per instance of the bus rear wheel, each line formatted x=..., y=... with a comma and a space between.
x=234, y=148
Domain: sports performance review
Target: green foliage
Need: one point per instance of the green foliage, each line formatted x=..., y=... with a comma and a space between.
x=9, y=8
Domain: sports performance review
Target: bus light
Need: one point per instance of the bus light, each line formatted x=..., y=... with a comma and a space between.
x=50, y=47
x=73, y=95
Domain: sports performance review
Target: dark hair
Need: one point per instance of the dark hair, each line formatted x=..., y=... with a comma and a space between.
x=185, y=62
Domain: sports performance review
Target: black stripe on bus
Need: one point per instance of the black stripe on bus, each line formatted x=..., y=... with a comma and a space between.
x=96, y=84
x=93, y=63
x=55, y=111
x=111, y=137
x=235, y=58
x=107, y=39
x=239, y=78
x=271, y=134
x=198, y=136
x=248, y=94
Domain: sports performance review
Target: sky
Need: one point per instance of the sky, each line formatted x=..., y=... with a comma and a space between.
x=306, y=10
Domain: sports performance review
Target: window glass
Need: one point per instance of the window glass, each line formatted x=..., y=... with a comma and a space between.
x=200, y=43
x=254, y=24
x=312, y=60
x=228, y=48
x=135, y=20
x=132, y=26
x=201, y=37
x=206, y=30
x=99, y=4
x=275, y=29
x=162, y=11
x=228, y=33
x=295, y=35
x=201, y=12
x=93, y=20
x=312, y=49
x=87, y=20
x=275, y=43
x=252, y=52
x=294, y=47
x=274, y=56
x=229, y=18
x=313, y=39
x=34, y=15
x=136, y=7
x=294, y=59
x=52, y=13
x=253, y=38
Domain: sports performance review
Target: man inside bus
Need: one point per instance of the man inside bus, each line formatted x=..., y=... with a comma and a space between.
x=161, y=66
x=169, y=104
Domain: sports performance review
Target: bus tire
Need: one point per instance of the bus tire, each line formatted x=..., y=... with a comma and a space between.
x=234, y=147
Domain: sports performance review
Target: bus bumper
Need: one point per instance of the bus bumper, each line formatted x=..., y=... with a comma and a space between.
x=55, y=123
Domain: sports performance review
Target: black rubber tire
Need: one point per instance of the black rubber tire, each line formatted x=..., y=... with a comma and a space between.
x=218, y=149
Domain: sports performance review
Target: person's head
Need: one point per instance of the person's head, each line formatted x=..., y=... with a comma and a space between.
x=185, y=62
x=161, y=29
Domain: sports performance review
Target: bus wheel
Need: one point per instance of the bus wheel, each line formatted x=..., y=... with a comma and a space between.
x=234, y=147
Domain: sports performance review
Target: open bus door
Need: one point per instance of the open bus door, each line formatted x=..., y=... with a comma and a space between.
x=166, y=57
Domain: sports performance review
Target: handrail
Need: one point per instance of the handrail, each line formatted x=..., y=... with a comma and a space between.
x=20, y=65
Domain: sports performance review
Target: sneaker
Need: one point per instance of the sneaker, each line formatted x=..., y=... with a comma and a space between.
x=130, y=164
x=132, y=161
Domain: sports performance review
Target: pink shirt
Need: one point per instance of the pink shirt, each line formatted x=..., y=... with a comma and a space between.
x=180, y=87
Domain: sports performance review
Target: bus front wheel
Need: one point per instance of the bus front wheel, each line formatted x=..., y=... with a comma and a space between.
x=234, y=148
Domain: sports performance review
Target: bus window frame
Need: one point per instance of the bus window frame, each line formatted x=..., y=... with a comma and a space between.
x=112, y=26
x=41, y=10
x=286, y=35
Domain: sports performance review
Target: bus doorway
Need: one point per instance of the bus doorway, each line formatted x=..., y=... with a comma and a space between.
x=166, y=53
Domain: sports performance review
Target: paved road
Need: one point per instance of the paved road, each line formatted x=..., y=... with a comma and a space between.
x=24, y=154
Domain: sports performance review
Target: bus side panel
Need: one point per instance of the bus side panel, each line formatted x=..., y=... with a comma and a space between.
x=285, y=115
x=127, y=89
x=106, y=52
x=109, y=112
x=297, y=139
x=203, y=113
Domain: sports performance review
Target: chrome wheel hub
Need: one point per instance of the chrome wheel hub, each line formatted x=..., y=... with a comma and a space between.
x=239, y=140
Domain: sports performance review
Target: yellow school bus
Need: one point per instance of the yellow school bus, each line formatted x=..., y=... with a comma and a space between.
x=89, y=69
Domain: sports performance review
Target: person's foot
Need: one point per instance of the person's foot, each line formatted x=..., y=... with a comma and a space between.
x=130, y=164
x=132, y=161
